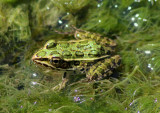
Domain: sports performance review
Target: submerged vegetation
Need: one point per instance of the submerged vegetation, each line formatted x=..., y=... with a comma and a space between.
x=26, y=26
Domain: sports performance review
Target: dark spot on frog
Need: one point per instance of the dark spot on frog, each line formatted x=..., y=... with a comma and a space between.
x=102, y=51
x=108, y=52
x=79, y=54
x=67, y=53
x=80, y=46
x=65, y=65
x=95, y=76
x=87, y=69
x=119, y=62
x=82, y=69
x=54, y=53
x=109, y=67
x=101, y=70
x=76, y=63
x=93, y=53
x=89, y=63
x=64, y=45
x=114, y=62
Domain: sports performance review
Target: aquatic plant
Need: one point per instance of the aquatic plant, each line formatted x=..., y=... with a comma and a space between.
x=25, y=26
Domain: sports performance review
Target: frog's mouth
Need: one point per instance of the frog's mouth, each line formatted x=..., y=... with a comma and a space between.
x=54, y=64
x=43, y=61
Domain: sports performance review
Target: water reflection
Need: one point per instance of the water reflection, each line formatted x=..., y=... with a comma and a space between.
x=136, y=24
x=60, y=21
x=149, y=58
x=116, y=6
x=147, y=52
x=133, y=19
x=34, y=75
x=66, y=25
x=98, y=5
x=137, y=15
x=137, y=0
x=129, y=7
x=48, y=8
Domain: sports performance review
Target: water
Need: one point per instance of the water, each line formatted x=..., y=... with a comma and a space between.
x=26, y=26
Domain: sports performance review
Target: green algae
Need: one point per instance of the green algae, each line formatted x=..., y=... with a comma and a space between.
x=71, y=6
x=25, y=27
x=8, y=1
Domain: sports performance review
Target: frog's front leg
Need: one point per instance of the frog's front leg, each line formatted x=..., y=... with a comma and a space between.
x=103, y=68
x=61, y=85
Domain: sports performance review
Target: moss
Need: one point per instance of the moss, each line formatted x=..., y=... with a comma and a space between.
x=18, y=21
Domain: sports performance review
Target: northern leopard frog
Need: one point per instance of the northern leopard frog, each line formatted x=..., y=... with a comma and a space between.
x=90, y=53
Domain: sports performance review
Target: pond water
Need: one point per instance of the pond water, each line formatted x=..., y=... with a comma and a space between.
x=92, y=79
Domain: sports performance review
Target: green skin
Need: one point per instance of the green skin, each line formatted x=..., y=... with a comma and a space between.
x=90, y=53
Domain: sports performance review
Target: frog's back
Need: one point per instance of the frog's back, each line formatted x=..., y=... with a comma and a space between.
x=77, y=50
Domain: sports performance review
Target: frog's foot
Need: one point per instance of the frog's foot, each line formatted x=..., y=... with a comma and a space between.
x=103, y=68
x=60, y=86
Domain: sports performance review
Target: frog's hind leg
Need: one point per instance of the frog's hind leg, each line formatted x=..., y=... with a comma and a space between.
x=81, y=34
x=103, y=68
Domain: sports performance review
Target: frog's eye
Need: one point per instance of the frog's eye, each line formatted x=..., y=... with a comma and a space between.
x=55, y=60
x=59, y=63
x=51, y=44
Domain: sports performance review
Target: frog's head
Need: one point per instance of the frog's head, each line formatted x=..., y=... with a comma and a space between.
x=49, y=57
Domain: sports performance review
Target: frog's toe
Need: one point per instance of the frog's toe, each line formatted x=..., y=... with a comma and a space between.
x=92, y=77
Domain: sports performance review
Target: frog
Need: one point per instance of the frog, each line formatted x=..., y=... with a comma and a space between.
x=89, y=53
